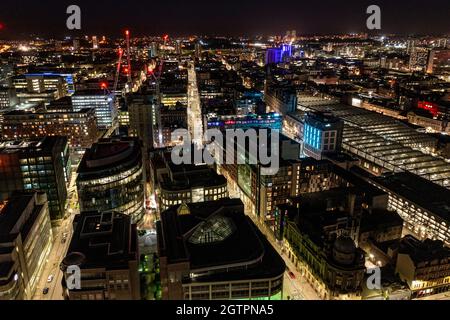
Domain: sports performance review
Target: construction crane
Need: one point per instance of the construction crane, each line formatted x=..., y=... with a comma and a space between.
x=119, y=65
x=127, y=37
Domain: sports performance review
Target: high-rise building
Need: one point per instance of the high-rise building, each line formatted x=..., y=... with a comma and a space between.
x=111, y=178
x=143, y=121
x=322, y=134
x=76, y=44
x=105, y=248
x=198, y=50
x=274, y=55
x=106, y=110
x=39, y=164
x=212, y=250
x=439, y=62
x=94, y=42
x=8, y=97
x=153, y=50
x=418, y=59
x=178, y=47
x=25, y=241
x=79, y=127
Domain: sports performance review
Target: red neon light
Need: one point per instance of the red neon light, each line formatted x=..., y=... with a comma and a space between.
x=430, y=106
x=103, y=85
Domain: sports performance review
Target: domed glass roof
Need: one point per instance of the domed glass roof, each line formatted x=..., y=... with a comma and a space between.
x=217, y=228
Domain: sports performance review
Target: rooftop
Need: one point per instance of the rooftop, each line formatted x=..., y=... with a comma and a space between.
x=102, y=240
x=422, y=192
x=215, y=236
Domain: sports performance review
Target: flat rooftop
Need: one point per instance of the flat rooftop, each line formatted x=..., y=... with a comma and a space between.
x=428, y=195
x=216, y=235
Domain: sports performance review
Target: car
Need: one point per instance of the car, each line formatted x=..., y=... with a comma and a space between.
x=291, y=274
x=50, y=278
x=45, y=291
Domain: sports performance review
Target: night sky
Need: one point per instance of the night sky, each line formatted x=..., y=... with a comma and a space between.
x=224, y=17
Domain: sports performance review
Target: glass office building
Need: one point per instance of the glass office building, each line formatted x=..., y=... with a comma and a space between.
x=111, y=178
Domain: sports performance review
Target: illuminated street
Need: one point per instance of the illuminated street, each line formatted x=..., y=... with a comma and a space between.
x=195, y=122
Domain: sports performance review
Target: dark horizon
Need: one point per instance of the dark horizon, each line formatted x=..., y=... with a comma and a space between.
x=22, y=18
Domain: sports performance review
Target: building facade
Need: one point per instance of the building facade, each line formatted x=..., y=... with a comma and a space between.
x=247, y=268
x=25, y=242
x=105, y=248
x=102, y=101
x=38, y=164
x=79, y=127
x=111, y=178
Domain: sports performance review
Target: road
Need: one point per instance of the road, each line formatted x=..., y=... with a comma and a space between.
x=195, y=122
x=59, y=251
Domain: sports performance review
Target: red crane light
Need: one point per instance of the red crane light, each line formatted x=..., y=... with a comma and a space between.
x=166, y=37
x=2, y=26
x=127, y=32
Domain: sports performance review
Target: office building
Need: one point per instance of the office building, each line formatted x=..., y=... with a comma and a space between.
x=105, y=248
x=186, y=183
x=383, y=144
x=280, y=99
x=143, y=118
x=212, y=250
x=423, y=205
x=79, y=127
x=271, y=121
x=111, y=178
x=424, y=266
x=41, y=165
x=274, y=55
x=439, y=62
x=8, y=98
x=322, y=134
x=102, y=101
x=25, y=241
